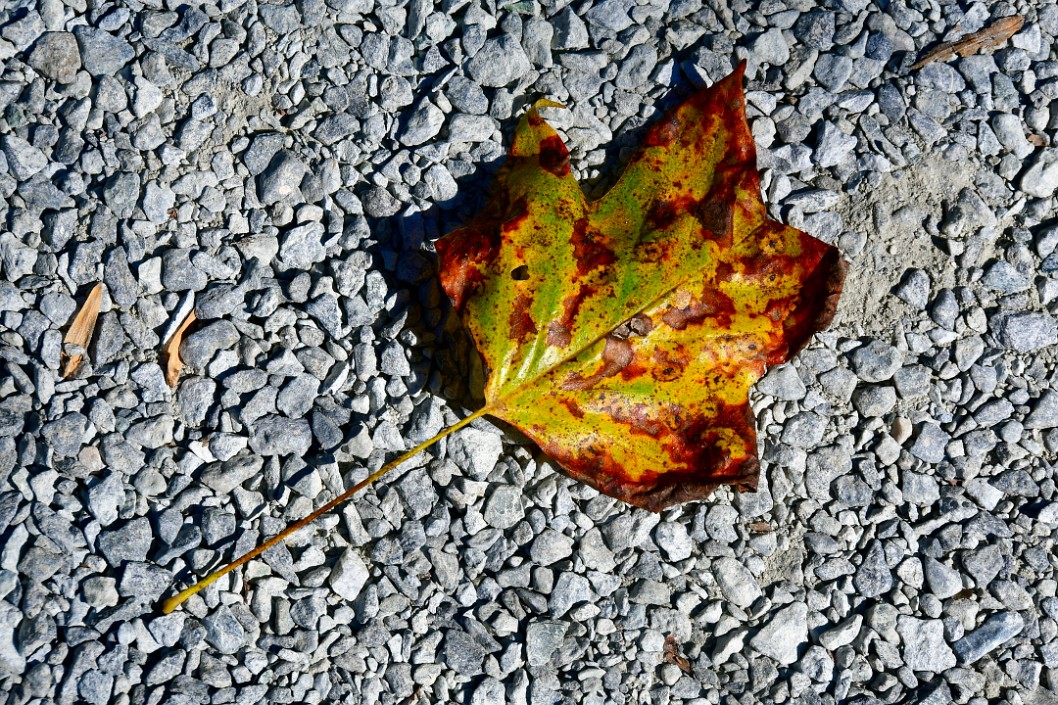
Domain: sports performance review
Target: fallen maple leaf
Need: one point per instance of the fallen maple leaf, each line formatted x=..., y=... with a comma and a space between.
x=623, y=335
x=81, y=330
x=171, y=362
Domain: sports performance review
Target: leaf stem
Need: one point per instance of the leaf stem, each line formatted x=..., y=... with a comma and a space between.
x=176, y=600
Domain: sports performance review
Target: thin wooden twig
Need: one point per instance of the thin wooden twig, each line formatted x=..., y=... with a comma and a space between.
x=990, y=37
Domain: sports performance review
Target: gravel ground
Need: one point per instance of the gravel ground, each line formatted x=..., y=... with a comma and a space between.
x=283, y=169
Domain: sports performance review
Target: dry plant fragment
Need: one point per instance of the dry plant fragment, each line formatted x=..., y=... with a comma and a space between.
x=80, y=333
x=171, y=362
x=991, y=37
x=672, y=655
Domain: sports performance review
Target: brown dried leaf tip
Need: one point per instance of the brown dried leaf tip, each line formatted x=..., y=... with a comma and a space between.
x=171, y=362
x=80, y=333
x=672, y=655
x=991, y=37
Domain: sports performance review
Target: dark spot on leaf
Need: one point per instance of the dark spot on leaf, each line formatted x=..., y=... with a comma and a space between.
x=520, y=273
x=716, y=217
x=558, y=335
x=663, y=132
x=667, y=368
x=572, y=407
x=520, y=320
x=711, y=303
x=590, y=248
x=617, y=355
x=664, y=212
x=553, y=155
x=464, y=255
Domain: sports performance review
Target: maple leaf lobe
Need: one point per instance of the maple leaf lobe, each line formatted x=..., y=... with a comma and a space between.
x=628, y=346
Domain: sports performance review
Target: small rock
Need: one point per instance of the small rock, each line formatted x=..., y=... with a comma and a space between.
x=833, y=71
x=1011, y=134
x=983, y=564
x=462, y=653
x=1025, y=332
x=570, y=589
x=100, y=592
x=1041, y=179
x=815, y=29
x=489, y=692
x=423, y=125
x=876, y=361
x=504, y=507
x=199, y=348
x=103, y=54
x=223, y=631
x=674, y=540
x=550, y=546
x=873, y=577
x=570, y=31
x=542, y=640
x=106, y=498
x=280, y=182
x=995, y=632
x=782, y=382
x=931, y=443
x=771, y=48
x=57, y=56
x=499, y=62
x=1044, y=412
x=782, y=636
x=466, y=96
x=380, y=203
x=924, y=647
x=805, y=430
x=914, y=289
x=920, y=489
x=179, y=274
x=303, y=246
x=275, y=435
x=282, y=19
x=475, y=450
x=874, y=401
x=130, y=542
x=942, y=580
x=23, y=159
x=1003, y=277
x=121, y=194
x=637, y=66
x=297, y=396
x=144, y=582
x=65, y=435
x=833, y=146
x=841, y=634
x=349, y=575
x=736, y=582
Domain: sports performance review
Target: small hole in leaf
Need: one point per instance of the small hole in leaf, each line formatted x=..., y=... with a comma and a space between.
x=520, y=273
